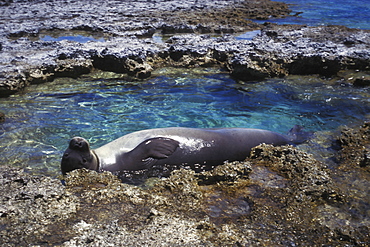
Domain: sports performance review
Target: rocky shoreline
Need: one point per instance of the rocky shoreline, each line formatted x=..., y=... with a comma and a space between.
x=128, y=28
x=279, y=196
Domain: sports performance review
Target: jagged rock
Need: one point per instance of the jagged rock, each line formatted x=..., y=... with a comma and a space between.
x=355, y=147
x=31, y=205
x=309, y=178
x=276, y=51
x=11, y=82
x=280, y=196
x=363, y=81
x=230, y=172
x=278, y=192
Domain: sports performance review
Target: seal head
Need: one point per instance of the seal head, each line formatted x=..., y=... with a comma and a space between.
x=79, y=155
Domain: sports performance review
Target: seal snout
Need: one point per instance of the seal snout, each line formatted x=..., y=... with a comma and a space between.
x=79, y=143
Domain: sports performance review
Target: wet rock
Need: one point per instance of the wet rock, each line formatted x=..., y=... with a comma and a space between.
x=12, y=82
x=355, y=147
x=363, y=81
x=309, y=178
x=2, y=117
x=182, y=190
x=63, y=68
x=230, y=172
x=31, y=206
x=137, y=69
x=328, y=190
x=72, y=68
x=281, y=196
x=140, y=69
x=272, y=53
x=40, y=75
x=103, y=188
x=172, y=29
x=299, y=50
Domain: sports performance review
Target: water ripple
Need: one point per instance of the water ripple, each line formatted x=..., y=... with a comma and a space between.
x=41, y=119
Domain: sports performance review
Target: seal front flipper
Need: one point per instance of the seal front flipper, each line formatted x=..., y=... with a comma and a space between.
x=146, y=154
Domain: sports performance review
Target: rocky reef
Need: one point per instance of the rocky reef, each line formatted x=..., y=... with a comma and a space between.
x=355, y=147
x=135, y=37
x=279, y=196
x=2, y=117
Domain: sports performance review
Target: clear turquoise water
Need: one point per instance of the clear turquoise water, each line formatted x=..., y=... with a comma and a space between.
x=350, y=13
x=42, y=119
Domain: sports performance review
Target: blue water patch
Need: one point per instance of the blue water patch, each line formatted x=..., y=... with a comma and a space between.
x=248, y=35
x=75, y=38
x=350, y=13
x=42, y=119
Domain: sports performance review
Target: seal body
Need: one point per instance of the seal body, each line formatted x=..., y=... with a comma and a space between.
x=170, y=146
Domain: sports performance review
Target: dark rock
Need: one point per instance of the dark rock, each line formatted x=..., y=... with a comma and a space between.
x=122, y=63
x=310, y=177
x=12, y=82
x=366, y=159
x=109, y=63
x=172, y=29
x=363, y=81
x=308, y=65
x=355, y=147
x=2, y=117
x=229, y=172
x=5, y=2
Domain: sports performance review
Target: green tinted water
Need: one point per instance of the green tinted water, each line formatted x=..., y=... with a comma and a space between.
x=104, y=106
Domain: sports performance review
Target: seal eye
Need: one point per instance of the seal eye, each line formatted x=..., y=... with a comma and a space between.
x=66, y=155
x=84, y=160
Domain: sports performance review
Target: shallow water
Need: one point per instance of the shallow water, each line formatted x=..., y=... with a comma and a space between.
x=76, y=38
x=79, y=36
x=41, y=119
x=350, y=13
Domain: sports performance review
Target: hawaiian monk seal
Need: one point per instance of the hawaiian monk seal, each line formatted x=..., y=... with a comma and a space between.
x=173, y=146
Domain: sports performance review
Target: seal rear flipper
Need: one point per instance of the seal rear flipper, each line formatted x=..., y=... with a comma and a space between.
x=147, y=153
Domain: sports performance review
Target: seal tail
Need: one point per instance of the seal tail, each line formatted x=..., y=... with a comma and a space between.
x=297, y=135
